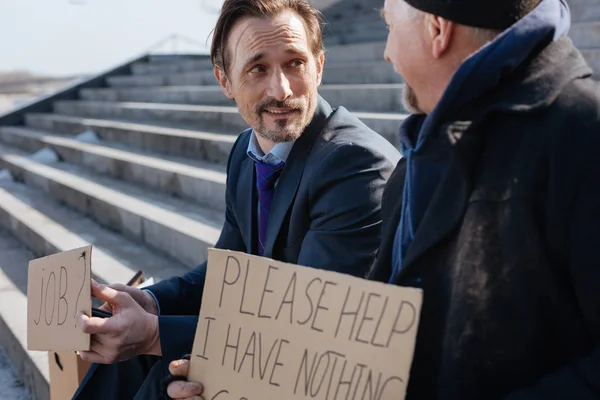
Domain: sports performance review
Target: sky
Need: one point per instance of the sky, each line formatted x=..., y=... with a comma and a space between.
x=74, y=37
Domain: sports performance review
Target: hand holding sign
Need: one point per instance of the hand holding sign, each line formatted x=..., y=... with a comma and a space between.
x=58, y=287
x=130, y=331
x=181, y=389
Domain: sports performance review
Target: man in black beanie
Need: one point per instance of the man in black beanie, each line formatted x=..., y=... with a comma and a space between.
x=494, y=210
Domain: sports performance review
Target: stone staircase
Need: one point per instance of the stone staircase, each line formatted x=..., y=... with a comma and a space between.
x=133, y=161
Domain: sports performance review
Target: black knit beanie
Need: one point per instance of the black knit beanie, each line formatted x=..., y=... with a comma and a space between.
x=489, y=14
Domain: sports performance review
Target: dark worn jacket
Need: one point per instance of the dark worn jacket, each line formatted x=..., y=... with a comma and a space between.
x=507, y=254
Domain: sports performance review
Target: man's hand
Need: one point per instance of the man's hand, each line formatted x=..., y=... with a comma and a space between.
x=130, y=332
x=142, y=297
x=183, y=389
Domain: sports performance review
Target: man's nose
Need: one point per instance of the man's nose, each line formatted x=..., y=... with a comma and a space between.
x=386, y=57
x=279, y=87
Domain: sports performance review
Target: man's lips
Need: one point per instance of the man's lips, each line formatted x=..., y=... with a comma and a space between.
x=280, y=111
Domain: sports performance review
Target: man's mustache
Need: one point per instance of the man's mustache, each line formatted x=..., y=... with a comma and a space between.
x=289, y=104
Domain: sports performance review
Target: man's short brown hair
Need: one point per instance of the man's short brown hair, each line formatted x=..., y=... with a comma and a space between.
x=234, y=10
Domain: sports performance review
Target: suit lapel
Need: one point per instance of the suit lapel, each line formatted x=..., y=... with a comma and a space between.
x=247, y=184
x=449, y=203
x=290, y=178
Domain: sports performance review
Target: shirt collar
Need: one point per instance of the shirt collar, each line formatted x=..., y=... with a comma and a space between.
x=278, y=154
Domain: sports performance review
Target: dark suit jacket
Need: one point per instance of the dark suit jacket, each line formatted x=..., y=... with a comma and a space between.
x=325, y=213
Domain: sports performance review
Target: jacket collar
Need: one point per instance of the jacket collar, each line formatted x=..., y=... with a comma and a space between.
x=535, y=85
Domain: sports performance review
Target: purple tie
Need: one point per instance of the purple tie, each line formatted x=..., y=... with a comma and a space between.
x=266, y=176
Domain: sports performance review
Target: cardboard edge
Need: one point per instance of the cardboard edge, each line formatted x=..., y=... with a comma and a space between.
x=30, y=366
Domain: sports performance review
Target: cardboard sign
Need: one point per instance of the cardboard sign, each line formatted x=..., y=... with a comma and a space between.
x=67, y=370
x=269, y=330
x=58, y=287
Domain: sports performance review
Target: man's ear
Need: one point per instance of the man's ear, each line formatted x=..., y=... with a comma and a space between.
x=439, y=34
x=223, y=81
x=320, y=64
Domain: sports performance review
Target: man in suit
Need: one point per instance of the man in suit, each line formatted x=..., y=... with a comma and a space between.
x=495, y=209
x=304, y=186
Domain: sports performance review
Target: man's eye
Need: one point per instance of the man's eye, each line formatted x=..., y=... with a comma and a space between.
x=297, y=63
x=258, y=69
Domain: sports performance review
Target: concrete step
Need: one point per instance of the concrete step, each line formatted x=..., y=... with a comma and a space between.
x=152, y=138
x=585, y=12
x=11, y=385
x=30, y=366
x=201, y=182
x=386, y=124
x=170, y=68
x=174, y=79
x=385, y=97
x=198, y=95
x=335, y=73
x=576, y=3
x=369, y=97
x=46, y=227
x=355, y=52
x=212, y=118
x=174, y=58
x=173, y=227
x=361, y=73
x=586, y=35
x=357, y=36
x=205, y=117
x=592, y=56
x=362, y=23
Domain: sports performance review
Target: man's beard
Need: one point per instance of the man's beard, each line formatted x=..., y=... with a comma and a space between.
x=287, y=130
x=410, y=101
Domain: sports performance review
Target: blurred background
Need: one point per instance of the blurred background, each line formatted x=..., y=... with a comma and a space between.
x=48, y=43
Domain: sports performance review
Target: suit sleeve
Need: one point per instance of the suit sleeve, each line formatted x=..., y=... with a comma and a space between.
x=346, y=210
x=580, y=186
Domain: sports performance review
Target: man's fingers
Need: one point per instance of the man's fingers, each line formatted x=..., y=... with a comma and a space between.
x=184, y=390
x=94, y=325
x=179, y=367
x=119, y=287
x=109, y=295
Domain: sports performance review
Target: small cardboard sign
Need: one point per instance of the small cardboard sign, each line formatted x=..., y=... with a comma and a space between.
x=270, y=330
x=59, y=286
